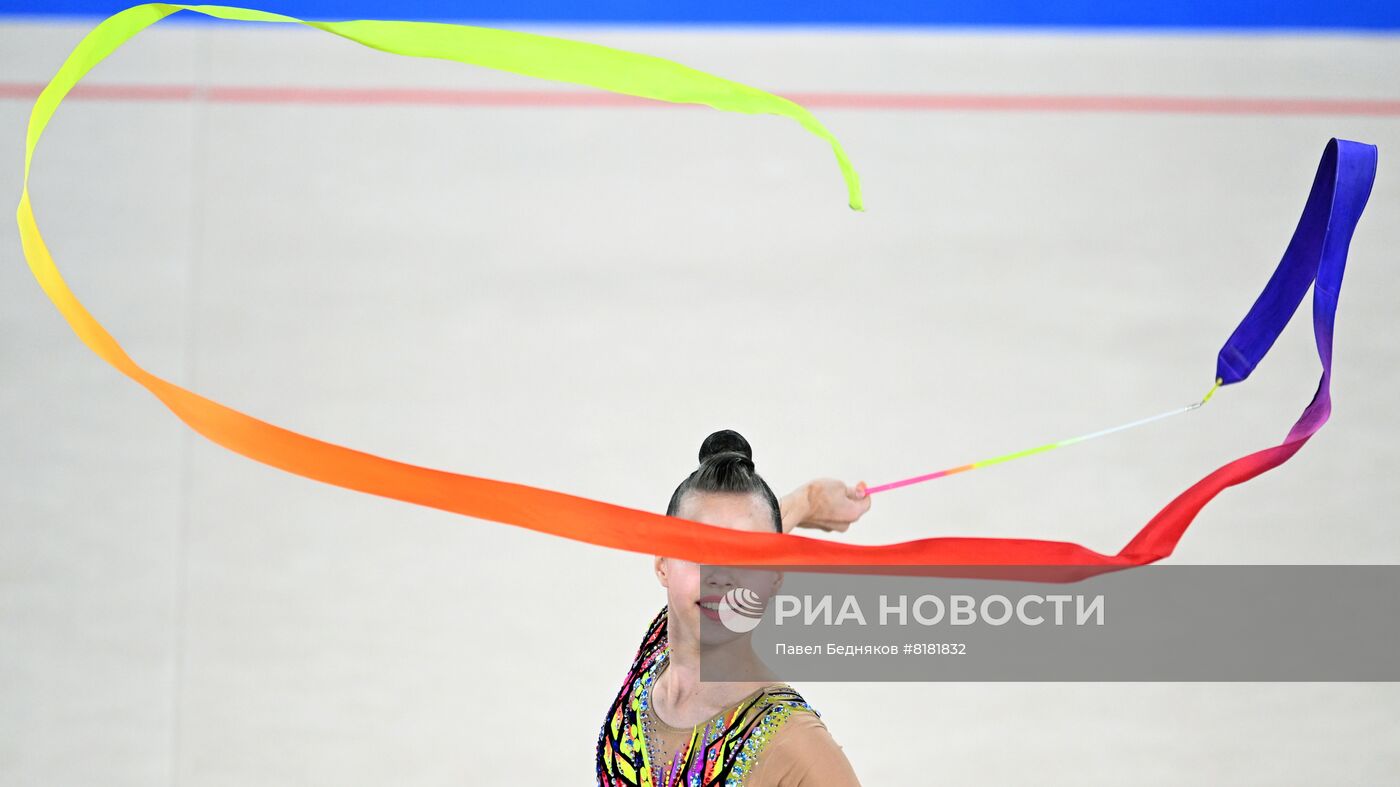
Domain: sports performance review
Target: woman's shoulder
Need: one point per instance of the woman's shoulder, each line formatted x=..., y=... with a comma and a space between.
x=801, y=750
x=789, y=715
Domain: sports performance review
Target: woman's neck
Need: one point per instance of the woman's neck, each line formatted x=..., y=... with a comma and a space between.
x=679, y=697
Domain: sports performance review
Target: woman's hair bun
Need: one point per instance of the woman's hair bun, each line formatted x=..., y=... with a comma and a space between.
x=725, y=441
x=726, y=467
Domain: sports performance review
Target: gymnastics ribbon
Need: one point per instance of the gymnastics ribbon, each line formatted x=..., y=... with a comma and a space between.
x=1316, y=253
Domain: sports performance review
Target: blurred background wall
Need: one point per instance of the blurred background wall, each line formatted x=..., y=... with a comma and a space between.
x=1069, y=207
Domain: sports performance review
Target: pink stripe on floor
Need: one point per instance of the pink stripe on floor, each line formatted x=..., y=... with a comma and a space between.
x=899, y=102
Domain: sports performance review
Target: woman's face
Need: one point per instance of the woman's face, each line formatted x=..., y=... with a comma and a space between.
x=693, y=596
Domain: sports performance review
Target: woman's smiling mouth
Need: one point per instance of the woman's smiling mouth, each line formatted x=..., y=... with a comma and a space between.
x=709, y=606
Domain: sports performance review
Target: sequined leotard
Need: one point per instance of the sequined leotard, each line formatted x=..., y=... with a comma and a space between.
x=720, y=753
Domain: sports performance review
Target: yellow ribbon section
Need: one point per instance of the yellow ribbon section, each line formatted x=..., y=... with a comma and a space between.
x=543, y=57
x=537, y=509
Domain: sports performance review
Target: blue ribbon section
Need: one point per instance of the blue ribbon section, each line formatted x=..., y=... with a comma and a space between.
x=1316, y=256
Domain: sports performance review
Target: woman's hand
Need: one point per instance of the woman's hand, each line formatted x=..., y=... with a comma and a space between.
x=824, y=504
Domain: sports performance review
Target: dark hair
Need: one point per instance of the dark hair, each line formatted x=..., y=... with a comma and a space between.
x=726, y=465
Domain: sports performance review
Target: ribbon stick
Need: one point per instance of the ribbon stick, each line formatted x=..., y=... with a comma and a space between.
x=996, y=460
x=1317, y=253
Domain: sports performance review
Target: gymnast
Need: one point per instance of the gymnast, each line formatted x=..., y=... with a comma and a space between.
x=666, y=727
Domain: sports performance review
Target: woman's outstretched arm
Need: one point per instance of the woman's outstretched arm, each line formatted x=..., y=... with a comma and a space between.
x=824, y=504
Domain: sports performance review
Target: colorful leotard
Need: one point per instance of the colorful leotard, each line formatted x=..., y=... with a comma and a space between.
x=719, y=754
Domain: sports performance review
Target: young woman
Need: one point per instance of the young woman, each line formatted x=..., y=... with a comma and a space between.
x=667, y=728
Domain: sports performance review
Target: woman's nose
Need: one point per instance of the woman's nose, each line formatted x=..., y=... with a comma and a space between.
x=719, y=577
